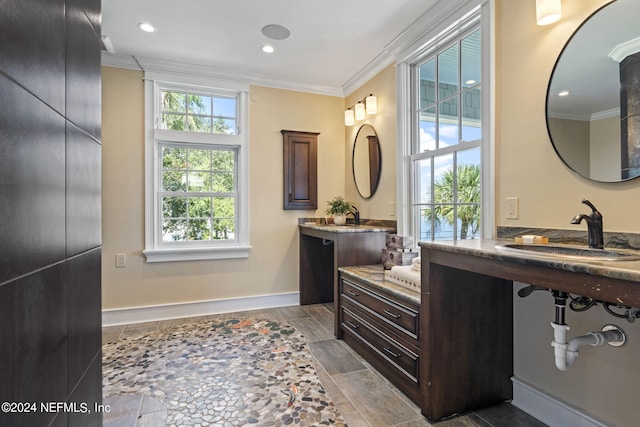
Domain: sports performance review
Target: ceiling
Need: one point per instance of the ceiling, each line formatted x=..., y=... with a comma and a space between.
x=331, y=41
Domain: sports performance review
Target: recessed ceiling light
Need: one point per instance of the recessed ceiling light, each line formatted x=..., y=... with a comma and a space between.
x=267, y=48
x=470, y=82
x=147, y=28
x=563, y=93
x=276, y=32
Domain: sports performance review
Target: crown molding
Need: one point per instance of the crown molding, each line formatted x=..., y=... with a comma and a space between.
x=412, y=39
x=119, y=61
x=625, y=49
x=192, y=70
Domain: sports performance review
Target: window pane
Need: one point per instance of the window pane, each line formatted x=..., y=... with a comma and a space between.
x=199, y=159
x=223, y=207
x=471, y=115
x=224, y=107
x=424, y=181
x=174, y=181
x=198, y=113
x=468, y=179
x=471, y=60
x=448, y=72
x=174, y=230
x=173, y=102
x=174, y=207
x=200, y=207
x=223, y=160
x=448, y=121
x=223, y=182
x=199, y=104
x=425, y=222
x=199, y=181
x=427, y=83
x=224, y=221
x=427, y=135
x=443, y=222
x=199, y=229
x=173, y=121
x=227, y=126
x=174, y=158
x=443, y=189
x=199, y=124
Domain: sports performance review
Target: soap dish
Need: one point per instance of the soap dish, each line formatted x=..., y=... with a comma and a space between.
x=531, y=239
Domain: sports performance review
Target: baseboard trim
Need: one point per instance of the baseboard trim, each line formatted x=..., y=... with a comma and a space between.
x=152, y=313
x=548, y=409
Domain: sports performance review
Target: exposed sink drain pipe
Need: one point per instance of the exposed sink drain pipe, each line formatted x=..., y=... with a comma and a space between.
x=565, y=352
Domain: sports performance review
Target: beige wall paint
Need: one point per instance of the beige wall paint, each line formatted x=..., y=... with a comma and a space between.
x=527, y=166
x=604, y=379
x=383, y=86
x=272, y=267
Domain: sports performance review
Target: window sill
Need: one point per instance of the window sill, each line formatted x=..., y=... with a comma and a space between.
x=196, y=254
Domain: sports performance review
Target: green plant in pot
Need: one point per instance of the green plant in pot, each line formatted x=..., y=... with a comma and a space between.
x=339, y=208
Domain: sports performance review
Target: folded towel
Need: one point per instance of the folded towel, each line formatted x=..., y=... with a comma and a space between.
x=415, y=264
x=404, y=276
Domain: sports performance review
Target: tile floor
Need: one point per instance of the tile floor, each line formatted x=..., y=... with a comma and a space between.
x=361, y=395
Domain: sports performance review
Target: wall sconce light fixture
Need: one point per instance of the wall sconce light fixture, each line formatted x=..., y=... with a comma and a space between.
x=365, y=106
x=548, y=11
x=349, y=118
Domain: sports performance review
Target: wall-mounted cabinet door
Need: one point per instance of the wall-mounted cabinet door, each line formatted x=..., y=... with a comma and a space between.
x=300, y=170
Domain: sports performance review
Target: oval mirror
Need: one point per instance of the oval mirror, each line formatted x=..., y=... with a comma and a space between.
x=593, y=98
x=366, y=161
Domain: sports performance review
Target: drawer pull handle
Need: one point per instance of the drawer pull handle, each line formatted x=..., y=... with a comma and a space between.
x=388, y=313
x=353, y=294
x=353, y=325
x=388, y=351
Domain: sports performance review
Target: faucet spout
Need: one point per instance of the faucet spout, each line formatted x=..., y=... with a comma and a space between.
x=356, y=215
x=594, y=226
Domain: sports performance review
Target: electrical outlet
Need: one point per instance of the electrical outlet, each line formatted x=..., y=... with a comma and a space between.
x=513, y=211
x=392, y=208
x=121, y=260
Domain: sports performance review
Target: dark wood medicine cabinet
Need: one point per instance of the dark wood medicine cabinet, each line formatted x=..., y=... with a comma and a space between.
x=300, y=190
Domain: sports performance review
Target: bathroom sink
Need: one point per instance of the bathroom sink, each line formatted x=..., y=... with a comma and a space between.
x=570, y=252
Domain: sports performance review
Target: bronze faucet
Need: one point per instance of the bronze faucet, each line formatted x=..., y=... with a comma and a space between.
x=594, y=225
x=356, y=216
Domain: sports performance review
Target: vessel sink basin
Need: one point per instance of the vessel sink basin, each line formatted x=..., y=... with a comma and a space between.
x=570, y=252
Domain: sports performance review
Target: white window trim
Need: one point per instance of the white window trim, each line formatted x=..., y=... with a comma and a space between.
x=442, y=22
x=154, y=250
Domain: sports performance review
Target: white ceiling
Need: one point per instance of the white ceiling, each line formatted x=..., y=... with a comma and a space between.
x=331, y=40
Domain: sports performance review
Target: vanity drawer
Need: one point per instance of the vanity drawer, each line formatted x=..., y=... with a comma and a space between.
x=391, y=312
x=393, y=354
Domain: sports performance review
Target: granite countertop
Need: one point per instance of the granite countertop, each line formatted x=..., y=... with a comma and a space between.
x=348, y=228
x=374, y=275
x=486, y=248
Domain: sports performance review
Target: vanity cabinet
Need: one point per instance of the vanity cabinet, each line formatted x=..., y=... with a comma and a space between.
x=381, y=321
x=325, y=248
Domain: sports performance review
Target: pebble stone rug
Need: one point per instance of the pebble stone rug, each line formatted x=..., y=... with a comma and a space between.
x=222, y=372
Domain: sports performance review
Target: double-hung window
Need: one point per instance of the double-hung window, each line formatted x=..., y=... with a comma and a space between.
x=447, y=138
x=196, y=188
x=447, y=148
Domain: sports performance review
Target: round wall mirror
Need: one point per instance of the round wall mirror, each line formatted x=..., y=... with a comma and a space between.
x=593, y=98
x=366, y=161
